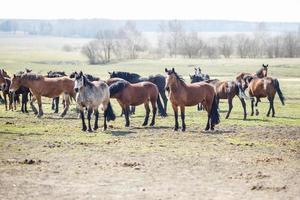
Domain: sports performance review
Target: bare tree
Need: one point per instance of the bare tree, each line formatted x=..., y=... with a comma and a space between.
x=291, y=44
x=93, y=51
x=107, y=40
x=175, y=30
x=243, y=45
x=191, y=44
x=132, y=38
x=225, y=44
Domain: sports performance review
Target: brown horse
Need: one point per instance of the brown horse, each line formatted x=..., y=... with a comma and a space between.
x=263, y=87
x=182, y=94
x=135, y=94
x=228, y=90
x=43, y=86
x=4, y=86
x=262, y=72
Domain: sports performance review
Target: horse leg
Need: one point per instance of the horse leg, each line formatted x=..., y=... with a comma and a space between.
x=208, y=122
x=132, y=110
x=53, y=104
x=271, y=101
x=146, y=104
x=244, y=107
x=175, y=109
x=10, y=101
x=67, y=103
x=182, y=112
x=5, y=100
x=256, y=104
x=33, y=99
x=229, y=107
x=164, y=98
x=56, y=104
x=96, y=113
x=154, y=111
x=39, y=101
x=126, y=112
x=25, y=102
x=82, y=118
x=252, y=106
x=89, y=116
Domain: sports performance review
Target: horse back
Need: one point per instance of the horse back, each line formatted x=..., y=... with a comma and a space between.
x=261, y=87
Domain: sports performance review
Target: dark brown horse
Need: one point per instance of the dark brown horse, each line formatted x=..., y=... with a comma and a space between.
x=228, y=90
x=135, y=94
x=263, y=87
x=4, y=86
x=43, y=86
x=182, y=94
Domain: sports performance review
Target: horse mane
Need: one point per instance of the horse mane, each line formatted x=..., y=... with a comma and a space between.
x=117, y=87
x=127, y=75
x=179, y=77
x=87, y=82
x=31, y=76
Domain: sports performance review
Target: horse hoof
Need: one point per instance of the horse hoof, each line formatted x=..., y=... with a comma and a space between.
x=104, y=129
x=183, y=129
x=83, y=128
x=126, y=125
x=144, y=124
x=273, y=115
x=90, y=130
x=175, y=129
x=152, y=124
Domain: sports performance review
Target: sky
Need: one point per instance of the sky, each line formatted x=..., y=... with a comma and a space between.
x=242, y=10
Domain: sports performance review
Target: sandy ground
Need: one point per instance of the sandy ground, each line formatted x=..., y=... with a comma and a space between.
x=239, y=163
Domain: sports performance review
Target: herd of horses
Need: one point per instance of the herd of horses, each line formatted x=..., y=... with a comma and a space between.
x=130, y=90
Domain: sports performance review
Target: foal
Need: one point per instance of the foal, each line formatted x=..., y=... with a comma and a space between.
x=91, y=95
x=182, y=94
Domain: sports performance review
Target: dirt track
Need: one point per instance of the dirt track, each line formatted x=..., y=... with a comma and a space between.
x=234, y=164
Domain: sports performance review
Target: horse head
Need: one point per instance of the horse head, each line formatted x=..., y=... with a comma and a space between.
x=16, y=83
x=79, y=81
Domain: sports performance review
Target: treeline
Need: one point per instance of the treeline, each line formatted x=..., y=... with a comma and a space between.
x=174, y=41
x=90, y=27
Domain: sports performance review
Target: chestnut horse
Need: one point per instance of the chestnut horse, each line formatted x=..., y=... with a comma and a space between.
x=263, y=87
x=135, y=94
x=43, y=86
x=182, y=94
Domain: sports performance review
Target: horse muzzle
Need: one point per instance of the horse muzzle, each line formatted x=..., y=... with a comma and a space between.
x=76, y=90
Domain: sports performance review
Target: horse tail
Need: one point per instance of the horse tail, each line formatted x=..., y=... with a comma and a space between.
x=117, y=87
x=214, y=113
x=278, y=90
x=110, y=115
x=161, y=109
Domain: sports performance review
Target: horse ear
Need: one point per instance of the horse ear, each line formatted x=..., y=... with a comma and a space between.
x=173, y=70
x=109, y=73
x=14, y=76
x=191, y=76
x=80, y=73
x=166, y=70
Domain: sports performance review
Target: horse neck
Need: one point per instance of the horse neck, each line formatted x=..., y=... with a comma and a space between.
x=28, y=83
x=177, y=86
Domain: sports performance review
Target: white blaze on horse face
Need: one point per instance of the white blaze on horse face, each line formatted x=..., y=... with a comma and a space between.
x=78, y=83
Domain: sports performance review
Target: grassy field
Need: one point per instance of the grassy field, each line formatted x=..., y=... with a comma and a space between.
x=51, y=158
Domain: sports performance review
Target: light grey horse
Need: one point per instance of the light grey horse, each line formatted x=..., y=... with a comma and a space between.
x=91, y=95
